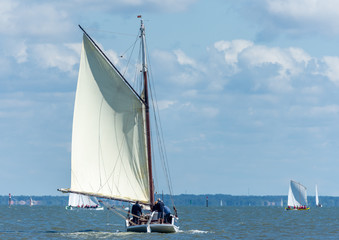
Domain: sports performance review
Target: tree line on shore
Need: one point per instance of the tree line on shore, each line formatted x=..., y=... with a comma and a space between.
x=212, y=200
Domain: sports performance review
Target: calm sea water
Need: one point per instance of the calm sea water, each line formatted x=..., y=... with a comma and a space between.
x=42, y=222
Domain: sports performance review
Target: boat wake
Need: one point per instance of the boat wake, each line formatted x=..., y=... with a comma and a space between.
x=94, y=235
x=195, y=231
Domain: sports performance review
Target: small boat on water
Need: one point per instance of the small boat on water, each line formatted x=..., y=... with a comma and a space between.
x=111, y=139
x=79, y=201
x=297, y=197
x=317, y=203
x=10, y=201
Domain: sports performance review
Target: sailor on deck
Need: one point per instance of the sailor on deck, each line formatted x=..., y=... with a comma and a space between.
x=167, y=212
x=159, y=206
x=136, y=212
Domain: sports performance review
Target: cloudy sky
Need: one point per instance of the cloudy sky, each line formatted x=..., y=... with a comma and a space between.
x=248, y=90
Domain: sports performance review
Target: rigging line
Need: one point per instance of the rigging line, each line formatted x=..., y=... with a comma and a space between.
x=139, y=78
x=130, y=56
x=106, y=31
x=100, y=155
x=163, y=157
x=110, y=176
x=122, y=146
x=112, y=65
x=160, y=136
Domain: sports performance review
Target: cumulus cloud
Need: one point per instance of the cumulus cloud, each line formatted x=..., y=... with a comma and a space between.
x=180, y=68
x=332, y=68
x=293, y=17
x=243, y=64
x=20, y=18
x=281, y=64
x=63, y=57
x=183, y=59
x=232, y=49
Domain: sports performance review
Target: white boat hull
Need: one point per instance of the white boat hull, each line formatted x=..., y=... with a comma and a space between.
x=153, y=225
x=160, y=228
x=79, y=208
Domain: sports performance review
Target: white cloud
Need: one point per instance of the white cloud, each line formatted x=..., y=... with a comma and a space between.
x=296, y=17
x=165, y=57
x=180, y=68
x=183, y=59
x=63, y=57
x=36, y=19
x=324, y=110
x=314, y=90
x=332, y=70
x=140, y=5
x=305, y=10
x=164, y=104
x=21, y=52
x=276, y=66
x=113, y=57
x=232, y=49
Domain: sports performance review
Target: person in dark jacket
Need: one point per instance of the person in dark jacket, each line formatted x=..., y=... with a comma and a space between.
x=159, y=206
x=136, y=211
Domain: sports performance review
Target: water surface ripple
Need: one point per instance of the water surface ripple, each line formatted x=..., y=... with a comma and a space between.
x=51, y=222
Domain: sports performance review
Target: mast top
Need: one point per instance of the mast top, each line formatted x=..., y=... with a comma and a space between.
x=143, y=44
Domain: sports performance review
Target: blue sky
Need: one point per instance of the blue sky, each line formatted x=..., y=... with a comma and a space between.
x=248, y=90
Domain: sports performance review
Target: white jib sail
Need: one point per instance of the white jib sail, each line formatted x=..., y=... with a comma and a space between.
x=297, y=195
x=316, y=196
x=78, y=200
x=109, y=155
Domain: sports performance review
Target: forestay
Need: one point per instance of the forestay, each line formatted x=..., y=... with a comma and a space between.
x=109, y=157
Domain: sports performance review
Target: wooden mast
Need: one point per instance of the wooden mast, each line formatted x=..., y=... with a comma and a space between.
x=148, y=128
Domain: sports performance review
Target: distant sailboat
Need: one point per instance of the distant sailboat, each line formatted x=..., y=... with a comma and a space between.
x=30, y=202
x=10, y=202
x=220, y=203
x=317, y=197
x=111, y=138
x=297, y=197
x=78, y=201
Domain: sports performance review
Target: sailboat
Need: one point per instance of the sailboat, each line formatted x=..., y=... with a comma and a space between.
x=317, y=197
x=31, y=202
x=10, y=201
x=111, y=137
x=79, y=201
x=297, y=197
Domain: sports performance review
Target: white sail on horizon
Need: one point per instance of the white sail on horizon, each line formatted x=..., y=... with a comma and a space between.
x=78, y=200
x=297, y=195
x=316, y=196
x=109, y=156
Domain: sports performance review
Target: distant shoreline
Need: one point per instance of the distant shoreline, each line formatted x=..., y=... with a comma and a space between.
x=184, y=200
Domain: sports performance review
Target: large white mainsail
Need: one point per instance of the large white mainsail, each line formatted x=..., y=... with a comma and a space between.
x=297, y=195
x=111, y=141
x=109, y=157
